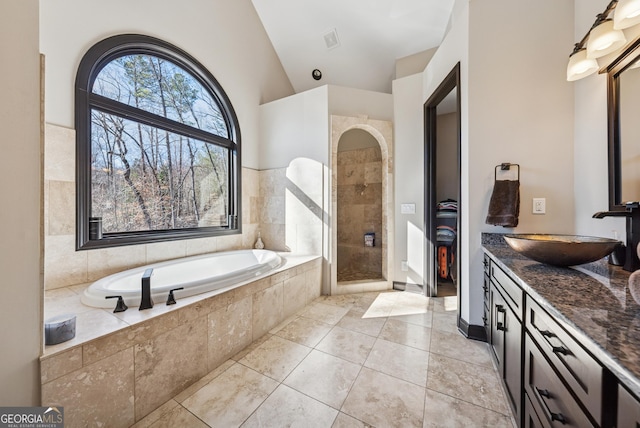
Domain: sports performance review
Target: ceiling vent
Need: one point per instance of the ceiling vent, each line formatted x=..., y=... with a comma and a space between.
x=331, y=39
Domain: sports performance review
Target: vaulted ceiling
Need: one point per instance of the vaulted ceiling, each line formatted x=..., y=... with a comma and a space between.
x=354, y=43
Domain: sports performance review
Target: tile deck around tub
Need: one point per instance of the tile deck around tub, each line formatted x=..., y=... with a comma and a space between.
x=390, y=359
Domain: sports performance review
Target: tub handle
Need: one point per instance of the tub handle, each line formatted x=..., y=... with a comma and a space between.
x=171, y=300
x=120, y=306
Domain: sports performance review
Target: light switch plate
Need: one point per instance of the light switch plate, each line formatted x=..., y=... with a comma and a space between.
x=407, y=208
x=539, y=205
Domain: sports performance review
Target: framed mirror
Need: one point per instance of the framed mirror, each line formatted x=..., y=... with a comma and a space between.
x=624, y=128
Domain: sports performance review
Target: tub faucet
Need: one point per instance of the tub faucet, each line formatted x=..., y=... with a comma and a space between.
x=632, y=214
x=145, y=298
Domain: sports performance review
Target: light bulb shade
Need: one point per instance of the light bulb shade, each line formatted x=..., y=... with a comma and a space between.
x=626, y=14
x=580, y=66
x=604, y=39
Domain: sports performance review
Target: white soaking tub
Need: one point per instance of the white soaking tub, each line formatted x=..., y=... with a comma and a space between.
x=196, y=274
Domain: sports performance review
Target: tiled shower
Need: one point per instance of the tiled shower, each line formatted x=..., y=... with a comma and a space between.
x=359, y=222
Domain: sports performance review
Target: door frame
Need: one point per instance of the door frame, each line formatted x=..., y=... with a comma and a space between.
x=451, y=82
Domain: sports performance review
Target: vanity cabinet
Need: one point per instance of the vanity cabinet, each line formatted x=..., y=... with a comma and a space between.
x=549, y=378
x=551, y=401
x=486, y=317
x=577, y=368
x=628, y=409
x=505, y=333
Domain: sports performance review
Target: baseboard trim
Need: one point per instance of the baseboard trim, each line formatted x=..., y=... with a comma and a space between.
x=404, y=286
x=471, y=331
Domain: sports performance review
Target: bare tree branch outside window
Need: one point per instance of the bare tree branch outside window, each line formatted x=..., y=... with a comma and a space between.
x=145, y=178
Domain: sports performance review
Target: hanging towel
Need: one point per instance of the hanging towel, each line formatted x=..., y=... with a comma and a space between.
x=504, y=206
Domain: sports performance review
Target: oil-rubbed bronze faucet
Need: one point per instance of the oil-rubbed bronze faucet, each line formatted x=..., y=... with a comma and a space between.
x=632, y=213
x=145, y=299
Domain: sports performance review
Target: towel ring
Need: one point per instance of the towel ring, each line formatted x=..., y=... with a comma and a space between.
x=506, y=166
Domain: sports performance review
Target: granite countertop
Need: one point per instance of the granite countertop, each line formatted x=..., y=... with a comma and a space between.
x=599, y=304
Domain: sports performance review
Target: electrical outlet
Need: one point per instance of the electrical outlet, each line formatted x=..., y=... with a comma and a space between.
x=539, y=205
x=404, y=266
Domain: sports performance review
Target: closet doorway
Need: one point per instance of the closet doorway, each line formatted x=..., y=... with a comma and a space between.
x=442, y=188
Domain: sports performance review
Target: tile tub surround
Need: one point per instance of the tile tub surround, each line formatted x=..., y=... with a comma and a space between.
x=599, y=304
x=136, y=360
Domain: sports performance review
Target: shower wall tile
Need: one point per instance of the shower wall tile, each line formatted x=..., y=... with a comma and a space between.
x=373, y=172
x=359, y=210
x=351, y=174
x=91, y=397
x=161, y=372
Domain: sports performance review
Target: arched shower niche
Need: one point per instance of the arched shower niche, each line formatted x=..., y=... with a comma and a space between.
x=361, y=201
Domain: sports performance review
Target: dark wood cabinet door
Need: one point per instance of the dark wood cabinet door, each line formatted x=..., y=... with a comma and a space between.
x=628, y=410
x=506, y=343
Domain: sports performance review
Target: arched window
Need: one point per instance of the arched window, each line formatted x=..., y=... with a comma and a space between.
x=157, y=146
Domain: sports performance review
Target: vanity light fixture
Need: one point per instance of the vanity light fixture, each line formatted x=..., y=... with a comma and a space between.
x=604, y=39
x=601, y=40
x=579, y=65
x=627, y=14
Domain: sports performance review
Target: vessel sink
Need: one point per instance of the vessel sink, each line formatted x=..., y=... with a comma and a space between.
x=561, y=250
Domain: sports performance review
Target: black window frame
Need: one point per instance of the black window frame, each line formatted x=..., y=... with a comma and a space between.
x=96, y=58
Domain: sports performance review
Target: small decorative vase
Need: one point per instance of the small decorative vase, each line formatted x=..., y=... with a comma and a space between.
x=259, y=244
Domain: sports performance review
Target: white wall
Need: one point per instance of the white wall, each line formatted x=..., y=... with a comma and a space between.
x=298, y=125
x=295, y=127
x=520, y=111
x=358, y=102
x=516, y=106
x=225, y=36
x=591, y=193
x=412, y=64
x=20, y=218
x=409, y=177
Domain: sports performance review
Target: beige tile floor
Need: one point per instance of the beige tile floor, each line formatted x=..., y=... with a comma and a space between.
x=392, y=359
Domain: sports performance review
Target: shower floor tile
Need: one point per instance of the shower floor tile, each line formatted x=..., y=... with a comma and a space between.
x=373, y=359
x=350, y=274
